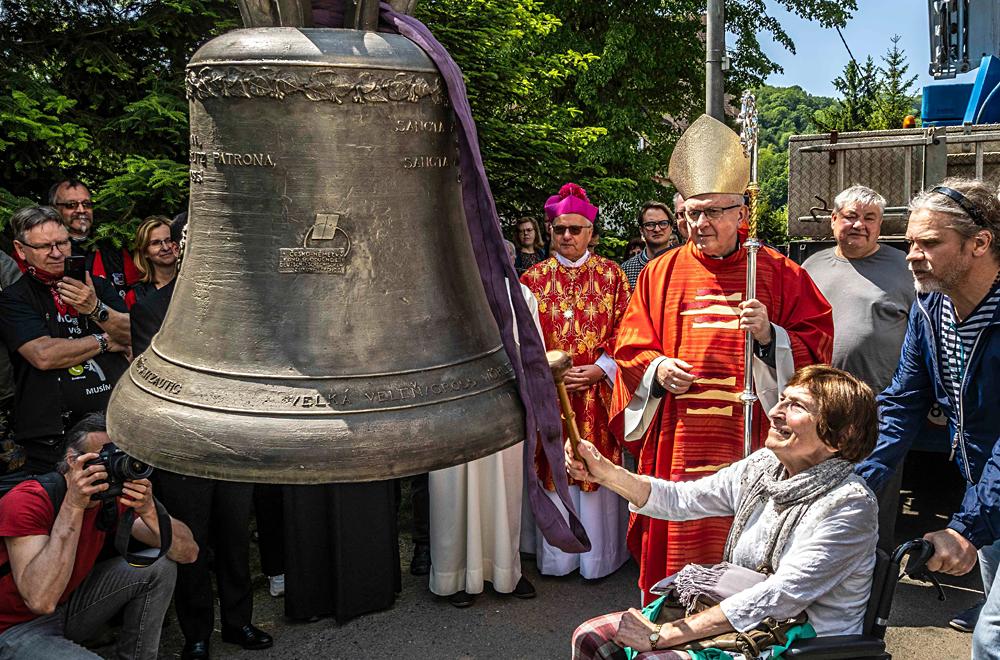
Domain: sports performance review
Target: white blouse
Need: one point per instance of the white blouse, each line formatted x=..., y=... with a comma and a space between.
x=826, y=566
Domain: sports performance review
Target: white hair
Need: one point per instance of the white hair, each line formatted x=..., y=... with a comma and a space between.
x=858, y=194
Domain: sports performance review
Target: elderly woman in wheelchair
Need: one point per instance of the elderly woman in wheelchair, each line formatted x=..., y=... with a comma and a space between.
x=803, y=535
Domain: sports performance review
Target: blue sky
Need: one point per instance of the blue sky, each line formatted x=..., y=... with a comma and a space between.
x=820, y=55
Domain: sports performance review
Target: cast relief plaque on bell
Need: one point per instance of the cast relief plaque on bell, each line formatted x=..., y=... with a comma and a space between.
x=324, y=249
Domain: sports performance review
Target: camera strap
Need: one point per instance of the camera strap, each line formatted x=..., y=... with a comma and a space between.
x=124, y=535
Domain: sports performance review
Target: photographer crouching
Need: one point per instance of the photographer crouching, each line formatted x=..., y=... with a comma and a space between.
x=53, y=593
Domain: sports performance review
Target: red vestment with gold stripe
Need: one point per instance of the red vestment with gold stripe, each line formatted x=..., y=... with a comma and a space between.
x=685, y=305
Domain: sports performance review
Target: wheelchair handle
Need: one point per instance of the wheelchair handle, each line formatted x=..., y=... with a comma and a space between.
x=919, y=552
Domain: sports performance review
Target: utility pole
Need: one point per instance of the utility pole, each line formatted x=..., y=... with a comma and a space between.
x=715, y=51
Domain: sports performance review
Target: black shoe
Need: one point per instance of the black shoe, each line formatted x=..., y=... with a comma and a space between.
x=250, y=638
x=965, y=621
x=421, y=562
x=462, y=599
x=524, y=589
x=195, y=650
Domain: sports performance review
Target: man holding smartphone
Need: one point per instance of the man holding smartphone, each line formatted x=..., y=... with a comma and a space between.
x=67, y=338
x=73, y=201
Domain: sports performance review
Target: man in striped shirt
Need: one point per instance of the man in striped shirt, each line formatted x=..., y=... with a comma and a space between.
x=951, y=356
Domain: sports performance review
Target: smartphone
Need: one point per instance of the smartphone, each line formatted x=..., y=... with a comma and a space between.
x=76, y=267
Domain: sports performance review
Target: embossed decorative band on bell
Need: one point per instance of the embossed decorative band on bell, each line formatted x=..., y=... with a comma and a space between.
x=363, y=393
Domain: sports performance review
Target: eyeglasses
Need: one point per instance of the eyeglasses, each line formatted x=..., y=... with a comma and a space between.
x=573, y=229
x=713, y=213
x=62, y=246
x=69, y=206
x=650, y=226
x=158, y=243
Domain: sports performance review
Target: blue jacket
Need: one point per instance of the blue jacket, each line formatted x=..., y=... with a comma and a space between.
x=974, y=426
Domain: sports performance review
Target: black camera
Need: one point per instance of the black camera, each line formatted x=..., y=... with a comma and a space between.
x=121, y=468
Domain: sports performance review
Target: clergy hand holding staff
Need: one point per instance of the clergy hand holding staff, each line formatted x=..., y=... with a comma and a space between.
x=679, y=402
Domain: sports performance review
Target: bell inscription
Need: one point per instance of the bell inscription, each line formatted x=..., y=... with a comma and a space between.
x=336, y=85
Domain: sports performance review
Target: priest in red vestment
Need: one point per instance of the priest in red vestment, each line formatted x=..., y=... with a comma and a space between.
x=581, y=299
x=680, y=347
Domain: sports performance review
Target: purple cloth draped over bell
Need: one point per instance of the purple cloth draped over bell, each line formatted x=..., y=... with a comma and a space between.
x=535, y=384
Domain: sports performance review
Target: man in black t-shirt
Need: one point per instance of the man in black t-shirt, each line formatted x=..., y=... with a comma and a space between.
x=67, y=339
x=72, y=199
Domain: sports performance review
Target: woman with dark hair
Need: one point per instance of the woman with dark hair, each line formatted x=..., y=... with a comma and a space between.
x=529, y=244
x=801, y=519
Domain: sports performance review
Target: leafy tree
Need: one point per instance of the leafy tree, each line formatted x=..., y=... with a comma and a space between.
x=782, y=112
x=873, y=98
x=94, y=89
x=530, y=143
x=786, y=111
x=896, y=89
x=859, y=89
x=648, y=81
x=596, y=92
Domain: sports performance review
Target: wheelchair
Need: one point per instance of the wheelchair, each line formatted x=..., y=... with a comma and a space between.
x=871, y=643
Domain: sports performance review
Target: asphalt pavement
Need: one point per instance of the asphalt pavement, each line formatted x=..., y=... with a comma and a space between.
x=425, y=627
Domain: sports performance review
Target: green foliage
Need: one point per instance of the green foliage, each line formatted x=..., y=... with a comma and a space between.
x=858, y=87
x=594, y=92
x=782, y=112
x=648, y=83
x=528, y=140
x=872, y=97
x=896, y=93
x=786, y=111
x=93, y=89
x=612, y=247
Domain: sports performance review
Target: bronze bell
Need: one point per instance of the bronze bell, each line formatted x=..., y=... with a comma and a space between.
x=328, y=322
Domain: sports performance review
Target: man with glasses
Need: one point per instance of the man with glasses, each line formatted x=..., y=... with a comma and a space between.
x=657, y=233
x=871, y=291
x=72, y=199
x=677, y=402
x=581, y=298
x=67, y=339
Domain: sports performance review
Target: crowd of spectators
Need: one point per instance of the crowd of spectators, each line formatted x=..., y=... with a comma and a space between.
x=656, y=349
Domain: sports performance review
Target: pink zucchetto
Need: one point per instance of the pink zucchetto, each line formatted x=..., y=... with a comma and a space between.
x=571, y=199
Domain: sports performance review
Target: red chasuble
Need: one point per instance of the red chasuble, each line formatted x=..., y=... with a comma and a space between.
x=685, y=306
x=580, y=309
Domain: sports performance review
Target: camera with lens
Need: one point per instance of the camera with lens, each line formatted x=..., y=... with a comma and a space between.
x=121, y=468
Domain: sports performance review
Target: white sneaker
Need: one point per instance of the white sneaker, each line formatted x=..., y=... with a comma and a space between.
x=276, y=585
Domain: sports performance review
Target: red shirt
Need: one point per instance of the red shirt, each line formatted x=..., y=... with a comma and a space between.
x=27, y=511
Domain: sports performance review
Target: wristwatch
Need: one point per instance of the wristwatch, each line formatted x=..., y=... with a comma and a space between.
x=102, y=342
x=100, y=313
x=654, y=637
